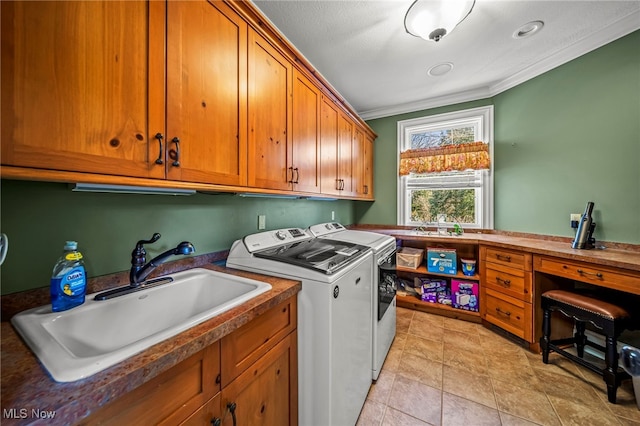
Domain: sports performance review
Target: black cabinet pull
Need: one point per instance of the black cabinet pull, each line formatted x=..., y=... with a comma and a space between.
x=174, y=154
x=291, y=180
x=159, y=136
x=503, y=282
x=232, y=409
x=216, y=421
x=297, y=175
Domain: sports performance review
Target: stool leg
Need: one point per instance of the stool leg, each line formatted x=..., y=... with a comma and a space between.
x=546, y=333
x=581, y=339
x=610, y=372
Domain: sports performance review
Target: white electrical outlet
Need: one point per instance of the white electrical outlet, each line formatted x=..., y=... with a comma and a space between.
x=262, y=221
x=333, y=215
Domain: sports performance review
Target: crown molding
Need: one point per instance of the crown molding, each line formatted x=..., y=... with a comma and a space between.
x=608, y=34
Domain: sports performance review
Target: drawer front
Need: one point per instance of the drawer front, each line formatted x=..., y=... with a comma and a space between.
x=243, y=347
x=512, y=282
x=169, y=398
x=514, y=259
x=589, y=273
x=510, y=314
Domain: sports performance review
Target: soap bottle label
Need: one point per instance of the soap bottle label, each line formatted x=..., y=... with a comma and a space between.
x=73, y=282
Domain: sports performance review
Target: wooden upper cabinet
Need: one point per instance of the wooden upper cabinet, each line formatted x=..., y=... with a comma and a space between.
x=357, y=162
x=368, y=167
x=305, y=163
x=270, y=114
x=345, y=154
x=74, y=86
x=329, y=183
x=206, y=93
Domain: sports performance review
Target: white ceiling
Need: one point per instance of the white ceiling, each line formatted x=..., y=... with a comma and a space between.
x=363, y=50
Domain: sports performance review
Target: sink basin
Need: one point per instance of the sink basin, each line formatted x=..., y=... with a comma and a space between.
x=82, y=341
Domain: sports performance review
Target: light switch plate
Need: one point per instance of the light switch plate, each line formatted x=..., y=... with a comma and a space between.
x=262, y=221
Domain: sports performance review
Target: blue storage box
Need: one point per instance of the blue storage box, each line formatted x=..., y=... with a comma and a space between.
x=442, y=261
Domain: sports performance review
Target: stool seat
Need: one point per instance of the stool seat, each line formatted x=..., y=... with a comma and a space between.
x=589, y=304
x=609, y=316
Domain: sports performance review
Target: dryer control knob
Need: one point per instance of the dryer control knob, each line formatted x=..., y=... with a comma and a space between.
x=328, y=226
x=281, y=235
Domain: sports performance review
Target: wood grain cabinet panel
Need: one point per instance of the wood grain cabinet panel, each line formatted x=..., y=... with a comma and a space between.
x=506, y=295
x=305, y=161
x=206, y=92
x=170, y=397
x=270, y=114
x=75, y=93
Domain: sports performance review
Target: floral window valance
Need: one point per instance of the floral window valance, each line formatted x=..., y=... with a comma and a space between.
x=466, y=156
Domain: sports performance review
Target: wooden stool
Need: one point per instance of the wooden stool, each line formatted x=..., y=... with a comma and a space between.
x=608, y=318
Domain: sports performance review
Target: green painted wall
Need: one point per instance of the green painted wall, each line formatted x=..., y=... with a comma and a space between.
x=38, y=217
x=566, y=137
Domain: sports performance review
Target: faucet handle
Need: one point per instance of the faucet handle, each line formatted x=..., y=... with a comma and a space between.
x=139, y=253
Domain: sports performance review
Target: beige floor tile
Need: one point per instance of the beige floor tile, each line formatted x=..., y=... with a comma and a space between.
x=428, y=330
x=465, y=360
x=458, y=411
x=426, y=318
x=399, y=340
x=371, y=414
x=421, y=369
x=393, y=360
x=526, y=403
x=573, y=388
x=627, y=422
x=524, y=376
x=424, y=347
x=403, y=323
x=462, y=326
x=509, y=420
x=381, y=389
x=557, y=365
x=416, y=399
x=398, y=418
x=625, y=405
x=575, y=414
x=469, y=385
x=462, y=340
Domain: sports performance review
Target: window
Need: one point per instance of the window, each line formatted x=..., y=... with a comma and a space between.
x=463, y=197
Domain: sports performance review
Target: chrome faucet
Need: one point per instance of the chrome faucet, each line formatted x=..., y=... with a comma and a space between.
x=140, y=271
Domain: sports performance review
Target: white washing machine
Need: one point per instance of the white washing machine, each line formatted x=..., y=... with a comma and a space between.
x=384, y=292
x=334, y=311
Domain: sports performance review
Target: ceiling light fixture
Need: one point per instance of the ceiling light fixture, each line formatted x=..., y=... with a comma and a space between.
x=528, y=29
x=440, y=69
x=433, y=19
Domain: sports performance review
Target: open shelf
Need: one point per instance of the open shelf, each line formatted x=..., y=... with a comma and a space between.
x=422, y=270
x=412, y=302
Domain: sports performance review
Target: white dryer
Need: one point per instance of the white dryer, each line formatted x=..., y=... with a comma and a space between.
x=384, y=291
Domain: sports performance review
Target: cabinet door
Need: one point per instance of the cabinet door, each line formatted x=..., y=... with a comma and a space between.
x=368, y=168
x=270, y=80
x=357, y=162
x=329, y=183
x=206, y=93
x=267, y=393
x=345, y=155
x=306, y=134
x=75, y=92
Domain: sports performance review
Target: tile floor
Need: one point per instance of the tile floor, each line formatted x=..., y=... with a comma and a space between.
x=442, y=371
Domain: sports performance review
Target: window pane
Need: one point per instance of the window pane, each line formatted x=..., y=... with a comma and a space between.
x=459, y=205
x=452, y=136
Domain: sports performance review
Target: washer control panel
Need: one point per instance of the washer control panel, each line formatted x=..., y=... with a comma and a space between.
x=268, y=239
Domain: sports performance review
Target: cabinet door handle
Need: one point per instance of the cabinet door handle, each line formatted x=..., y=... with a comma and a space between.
x=291, y=180
x=503, y=257
x=341, y=184
x=297, y=175
x=366, y=189
x=505, y=313
x=338, y=184
x=216, y=421
x=159, y=137
x=503, y=282
x=595, y=274
x=175, y=154
x=232, y=409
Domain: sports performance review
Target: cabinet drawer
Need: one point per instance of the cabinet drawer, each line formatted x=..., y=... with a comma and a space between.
x=510, y=314
x=589, y=273
x=206, y=414
x=169, y=398
x=509, y=281
x=243, y=347
x=514, y=259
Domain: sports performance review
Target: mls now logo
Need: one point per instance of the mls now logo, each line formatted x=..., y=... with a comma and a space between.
x=23, y=413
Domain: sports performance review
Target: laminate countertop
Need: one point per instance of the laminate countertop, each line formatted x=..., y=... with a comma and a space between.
x=29, y=391
x=616, y=255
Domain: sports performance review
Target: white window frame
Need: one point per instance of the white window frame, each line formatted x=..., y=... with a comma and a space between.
x=482, y=119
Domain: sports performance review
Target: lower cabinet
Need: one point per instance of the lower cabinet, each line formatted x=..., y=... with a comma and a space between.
x=506, y=296
x=249, y=377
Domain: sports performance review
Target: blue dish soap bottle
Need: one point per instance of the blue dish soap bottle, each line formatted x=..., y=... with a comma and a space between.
x=69, y=279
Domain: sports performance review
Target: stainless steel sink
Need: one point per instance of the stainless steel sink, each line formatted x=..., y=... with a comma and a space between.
x=80, y=342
